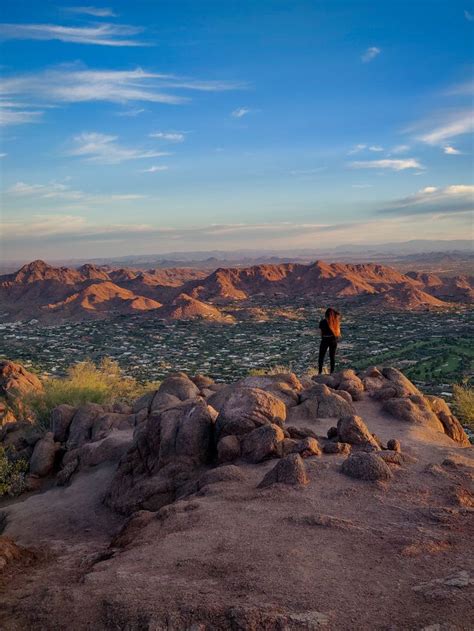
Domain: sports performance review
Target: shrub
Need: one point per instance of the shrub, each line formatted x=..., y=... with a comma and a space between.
x=86, y=383
x=463, y=403
x=270, y=370
x=12, y=474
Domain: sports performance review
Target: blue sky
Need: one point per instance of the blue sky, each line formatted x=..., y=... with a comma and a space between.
x=154, y=126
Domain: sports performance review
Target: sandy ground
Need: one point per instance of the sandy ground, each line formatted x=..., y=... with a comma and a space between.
x=338, y=554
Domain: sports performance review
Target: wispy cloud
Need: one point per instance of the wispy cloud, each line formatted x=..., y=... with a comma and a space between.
x=99, y=34
x=240, y=112
x=68, y=84
x=97, y=12
x=393, y=165
x=132, y=113
x=170, y=136
x=105, y=149
x=370, y=54
x=155, y=169
x=376, y=148
x=11, y=114
x=61, y=192
x=399, y=149
x=451, y=151
x=452, y=126
x=468, y=15
x=457, y=198
x=357, y=148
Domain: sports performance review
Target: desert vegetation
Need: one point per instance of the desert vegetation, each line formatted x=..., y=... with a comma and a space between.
x=463, y=403
x=85, y=382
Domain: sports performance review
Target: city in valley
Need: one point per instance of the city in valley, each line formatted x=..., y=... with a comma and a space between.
x=431, y=347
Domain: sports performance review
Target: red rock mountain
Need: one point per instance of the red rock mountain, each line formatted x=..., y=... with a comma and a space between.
x=52, y=294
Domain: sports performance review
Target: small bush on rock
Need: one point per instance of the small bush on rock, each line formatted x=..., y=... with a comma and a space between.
x=463, y=402
x=12, y=474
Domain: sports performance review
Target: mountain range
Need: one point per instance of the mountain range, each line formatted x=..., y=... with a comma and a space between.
x=56, y=294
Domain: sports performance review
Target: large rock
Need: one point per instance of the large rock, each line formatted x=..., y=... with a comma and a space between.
x=452, y=427
x=19, y=438
x=326, y=402
x=168, y=452
x=109, y=449
x=180, y=386
x=351, y=383
x=366, y=466
x=228, y=448
x=16, y=381
x=61, y=418
x=44, y=454
x=80, y=430
x=143, y=402
x=403, y=386
x=289, y=470
x=245, y=409
x=286, y=386
x=105, y=423
x=163, y=401
x=413, y=409
x=263, y=443
x=353, y=430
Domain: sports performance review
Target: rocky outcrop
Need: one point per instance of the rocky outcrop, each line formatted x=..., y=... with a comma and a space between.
x=43, y=456
x=353, y=430
x=452, y=427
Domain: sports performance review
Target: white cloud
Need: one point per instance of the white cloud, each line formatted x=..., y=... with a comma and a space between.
x=370, y=53
x=104, y=149
x=95, y=11
x=3, y=155
x=394, y=165
x=63, y=192
x=100, y=34
x=13, y=113
x=155, y=169
x=376, y=148
x=357, y=149
x=469, y=16
x=456, y=125
x=451, y=151
x=457, y=198
x=133, y=112
x=170, y=136
x=400, y=149
x=240, y=112
x=70, y=84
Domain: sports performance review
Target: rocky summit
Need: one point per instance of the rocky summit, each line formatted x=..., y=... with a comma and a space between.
x=274, y=503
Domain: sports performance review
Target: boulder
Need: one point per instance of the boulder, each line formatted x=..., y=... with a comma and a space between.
x=185, y=433
x=61, y=418
x=227, y=473
x=16, y=381
x=80, y=430
x=452, y=427
x=329, y=403
x=143, y=402
x=19, y=439
x=300, y=432
x=392, y=457
x=202, y=382
x=347, y=396
x=332, y=433
x=228, y=448
x=403, y=386
x=413, y=409
x=352, y=384
x=336, y=448
x=219, y=397
x=353, y=430
x=43, y=457
x=109, y=449
x=394, y=445
x=286, y=386
x=245, y=409
x=105, y=423
x=163, y=401
x=180, y=386
x=366, y=466
x=328, y=380
x=307, y=447
x=289, y=470
x=262, y=443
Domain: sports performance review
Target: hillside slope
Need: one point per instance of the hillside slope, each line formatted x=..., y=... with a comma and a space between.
x=232, y=509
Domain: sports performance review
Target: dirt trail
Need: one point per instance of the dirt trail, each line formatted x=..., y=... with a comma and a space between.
x=338, y=554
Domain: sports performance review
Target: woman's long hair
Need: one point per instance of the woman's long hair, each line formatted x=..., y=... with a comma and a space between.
x=333, y=318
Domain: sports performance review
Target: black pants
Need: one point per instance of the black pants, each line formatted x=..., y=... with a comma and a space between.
x=331, y=343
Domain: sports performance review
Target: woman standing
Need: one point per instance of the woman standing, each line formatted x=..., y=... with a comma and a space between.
x=330, y=333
